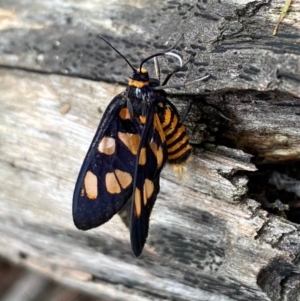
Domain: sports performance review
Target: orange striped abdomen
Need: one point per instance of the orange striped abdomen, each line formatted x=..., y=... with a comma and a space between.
x=177, y=139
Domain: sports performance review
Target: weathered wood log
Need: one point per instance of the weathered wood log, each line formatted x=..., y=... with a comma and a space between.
x=208, y=239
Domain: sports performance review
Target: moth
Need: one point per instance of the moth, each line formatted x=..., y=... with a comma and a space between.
x=139, y=132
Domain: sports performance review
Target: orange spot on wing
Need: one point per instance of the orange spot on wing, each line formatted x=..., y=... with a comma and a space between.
x=158, y=152
x=159, y=128
x=137, y=202
x=142, y=158
x=145, y=199
x=107, y=145
x=111, y=183
x=124, y=114
x=91, y=185
x=124, y=178
x=148, y=190
x=159, y=157
x=132, y=141
x=142, y=119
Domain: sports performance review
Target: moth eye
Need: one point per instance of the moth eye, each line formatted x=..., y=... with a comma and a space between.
x=138, y=93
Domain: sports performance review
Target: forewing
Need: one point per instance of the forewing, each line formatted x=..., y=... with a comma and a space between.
x=150, y=161
x=105, y=180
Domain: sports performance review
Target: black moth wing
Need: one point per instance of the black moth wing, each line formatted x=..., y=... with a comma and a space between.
x=150, y=161
x=105, y=180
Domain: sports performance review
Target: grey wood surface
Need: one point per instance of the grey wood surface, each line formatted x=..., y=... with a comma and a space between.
x=208, y=240
x=22, y=284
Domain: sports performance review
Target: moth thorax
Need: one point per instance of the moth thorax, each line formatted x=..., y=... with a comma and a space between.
x=139, y=79
x=138, y=93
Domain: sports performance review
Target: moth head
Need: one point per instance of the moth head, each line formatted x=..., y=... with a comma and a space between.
x=141, y=75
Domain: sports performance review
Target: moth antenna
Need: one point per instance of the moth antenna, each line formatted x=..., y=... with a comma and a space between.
x=163, y=53
x=157, y=67
x=118, y=52
x=150, y=57
x=177, y=56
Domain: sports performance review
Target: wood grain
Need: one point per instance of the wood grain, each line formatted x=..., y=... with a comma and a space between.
x=197, y=232
x=208, y=240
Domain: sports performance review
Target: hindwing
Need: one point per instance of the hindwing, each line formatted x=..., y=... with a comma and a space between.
x=150, y=161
